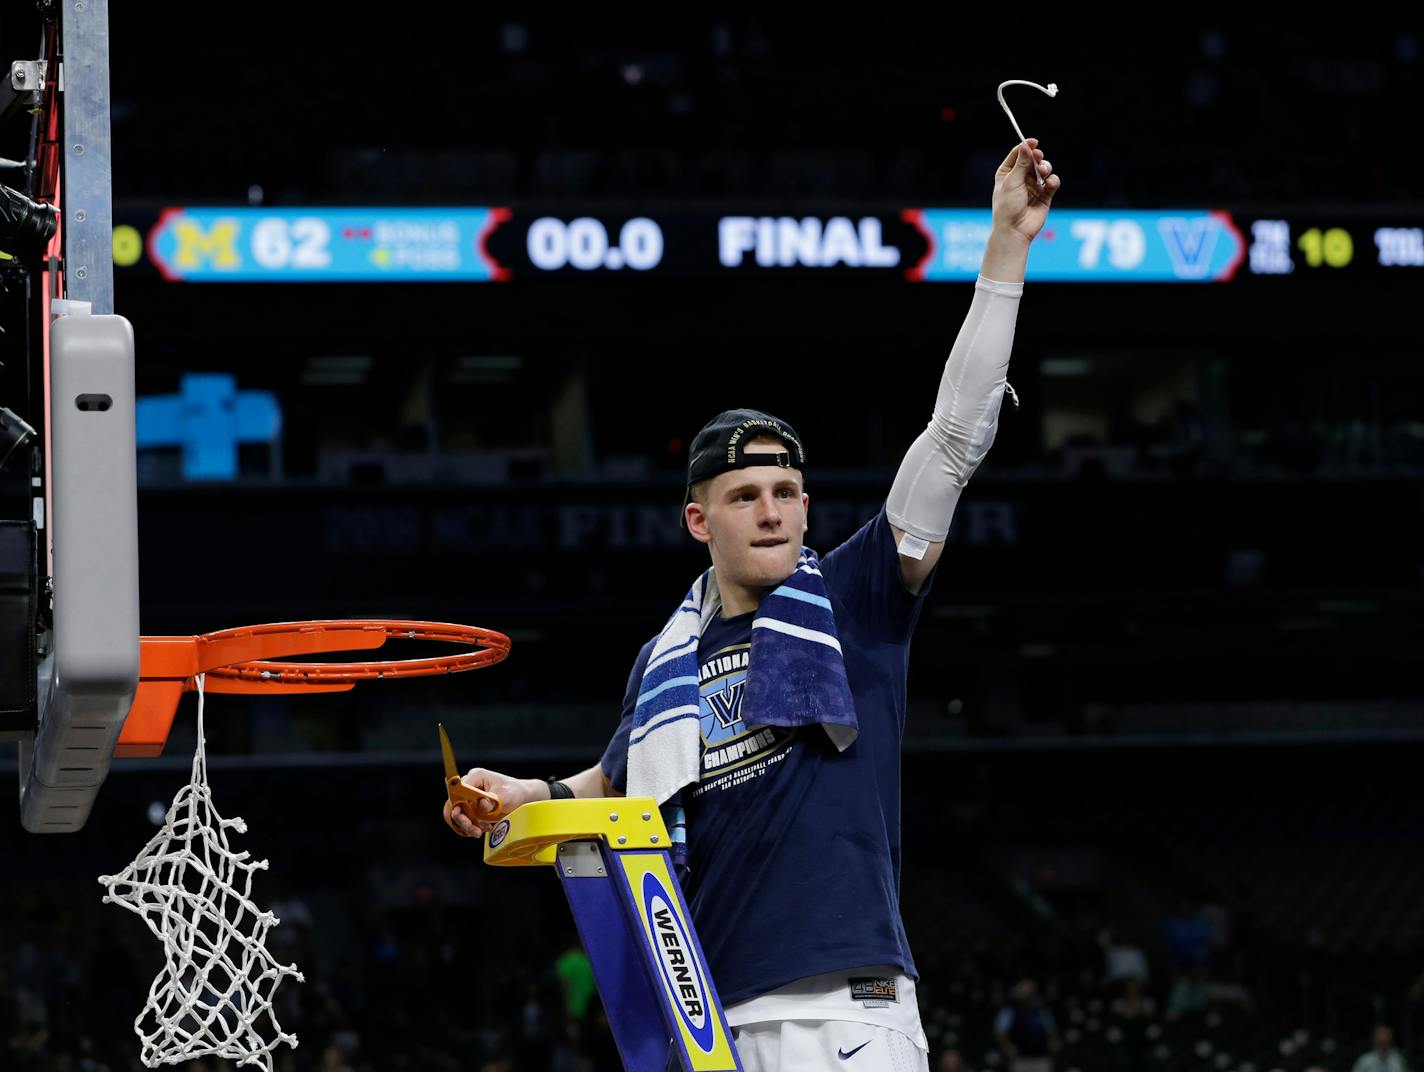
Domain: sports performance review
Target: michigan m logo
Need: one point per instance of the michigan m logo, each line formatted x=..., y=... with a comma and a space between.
x=218, y=246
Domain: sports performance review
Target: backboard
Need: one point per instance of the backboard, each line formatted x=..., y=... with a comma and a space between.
x=69, y=543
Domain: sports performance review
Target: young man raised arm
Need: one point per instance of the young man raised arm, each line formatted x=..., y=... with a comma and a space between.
x=766, y=717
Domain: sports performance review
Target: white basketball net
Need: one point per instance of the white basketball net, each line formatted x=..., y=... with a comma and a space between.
x=214, y=995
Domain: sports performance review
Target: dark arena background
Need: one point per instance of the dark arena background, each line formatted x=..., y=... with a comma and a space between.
x=1166, y=710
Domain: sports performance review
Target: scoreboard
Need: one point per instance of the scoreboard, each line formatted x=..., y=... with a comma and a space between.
x=214, y=244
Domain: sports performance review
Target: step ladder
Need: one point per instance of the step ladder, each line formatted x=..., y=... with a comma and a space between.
x=611, y=856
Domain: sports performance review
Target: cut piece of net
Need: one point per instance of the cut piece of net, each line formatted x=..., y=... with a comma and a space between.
x=214, y=995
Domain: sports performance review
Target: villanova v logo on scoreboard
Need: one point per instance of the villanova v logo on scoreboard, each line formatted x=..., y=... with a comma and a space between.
x=1189, y=241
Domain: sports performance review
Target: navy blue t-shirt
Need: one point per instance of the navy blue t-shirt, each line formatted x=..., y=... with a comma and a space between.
x=794, y=847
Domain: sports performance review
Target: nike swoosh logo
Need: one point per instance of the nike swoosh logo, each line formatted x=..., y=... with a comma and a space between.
x=847, y=1056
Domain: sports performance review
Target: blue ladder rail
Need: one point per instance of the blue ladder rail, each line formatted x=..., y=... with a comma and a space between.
x=611, y=856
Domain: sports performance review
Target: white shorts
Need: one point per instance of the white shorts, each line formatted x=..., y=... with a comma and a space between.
x=827, y=1046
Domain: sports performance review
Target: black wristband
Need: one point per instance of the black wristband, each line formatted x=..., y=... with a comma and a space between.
x=558, y=790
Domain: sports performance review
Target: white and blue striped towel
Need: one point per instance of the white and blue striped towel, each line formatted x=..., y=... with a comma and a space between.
x=796, y=676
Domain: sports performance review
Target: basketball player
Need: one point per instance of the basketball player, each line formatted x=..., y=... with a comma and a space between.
x=793, y=840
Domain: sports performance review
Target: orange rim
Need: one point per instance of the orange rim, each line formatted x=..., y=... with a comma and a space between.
x=250, y=660
x=491, y=647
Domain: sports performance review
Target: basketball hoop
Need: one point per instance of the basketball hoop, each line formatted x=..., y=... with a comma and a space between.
x=215, y=993
x=251, y=660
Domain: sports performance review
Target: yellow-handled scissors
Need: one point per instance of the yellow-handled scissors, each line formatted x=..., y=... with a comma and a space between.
x=459, y=792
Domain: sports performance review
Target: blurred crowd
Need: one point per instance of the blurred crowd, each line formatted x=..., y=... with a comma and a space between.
x=433, y=986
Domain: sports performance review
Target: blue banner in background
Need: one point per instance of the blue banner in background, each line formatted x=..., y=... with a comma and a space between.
x=1183, y=246
x=323, y=244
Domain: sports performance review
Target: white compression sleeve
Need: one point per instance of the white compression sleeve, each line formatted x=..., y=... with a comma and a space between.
x=966, y=415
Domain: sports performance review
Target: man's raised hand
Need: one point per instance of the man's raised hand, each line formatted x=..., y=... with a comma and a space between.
x=1020, y=203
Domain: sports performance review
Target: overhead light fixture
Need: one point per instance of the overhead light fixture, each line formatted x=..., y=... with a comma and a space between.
x=485, y=368
x=1066, y=366
x=337, y=370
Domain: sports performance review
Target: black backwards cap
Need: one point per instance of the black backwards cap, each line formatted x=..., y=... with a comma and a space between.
x=721, y=447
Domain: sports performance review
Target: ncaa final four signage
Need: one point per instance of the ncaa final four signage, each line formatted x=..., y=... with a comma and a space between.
x=486, y=244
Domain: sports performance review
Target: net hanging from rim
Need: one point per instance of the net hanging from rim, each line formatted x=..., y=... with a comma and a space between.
x=215, y=993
